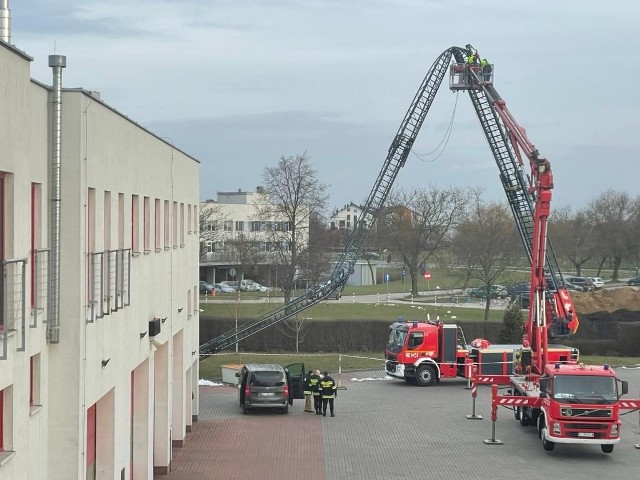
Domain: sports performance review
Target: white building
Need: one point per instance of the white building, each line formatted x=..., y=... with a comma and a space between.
x=345, y=218
x=244, y=232
x=99, y=310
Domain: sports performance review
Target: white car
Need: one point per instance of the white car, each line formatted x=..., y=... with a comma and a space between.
x=261, y=288
x=597, y=283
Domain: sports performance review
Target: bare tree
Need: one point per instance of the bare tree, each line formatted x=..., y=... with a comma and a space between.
x=211, y=223
x=293, y=194
x=294, y=328
x=487, y=243
x=417, y=222
x=612, y=214
x=572, y=236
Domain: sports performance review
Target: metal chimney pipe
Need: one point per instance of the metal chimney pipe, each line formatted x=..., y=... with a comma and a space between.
x=5, y=21
x=57, y=63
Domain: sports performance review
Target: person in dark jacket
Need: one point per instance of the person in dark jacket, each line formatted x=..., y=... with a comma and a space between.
x=328, y=391
x=308, y=391
x=315, y=392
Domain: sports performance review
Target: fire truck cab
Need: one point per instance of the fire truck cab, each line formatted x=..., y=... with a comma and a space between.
x=424, y=352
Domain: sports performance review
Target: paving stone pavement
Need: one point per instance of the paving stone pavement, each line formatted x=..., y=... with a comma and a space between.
x=388, y=429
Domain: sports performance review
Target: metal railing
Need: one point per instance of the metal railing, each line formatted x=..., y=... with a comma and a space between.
x=14, y=317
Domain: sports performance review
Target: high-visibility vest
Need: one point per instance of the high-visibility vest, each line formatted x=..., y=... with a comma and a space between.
x=471, y=59
x=483, y=62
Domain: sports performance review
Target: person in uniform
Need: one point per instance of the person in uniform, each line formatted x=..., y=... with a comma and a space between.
x=328, y=391
x=308, y=392
x=315, y=392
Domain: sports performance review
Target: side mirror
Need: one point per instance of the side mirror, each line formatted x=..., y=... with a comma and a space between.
x=544, y=385
x=625, y=387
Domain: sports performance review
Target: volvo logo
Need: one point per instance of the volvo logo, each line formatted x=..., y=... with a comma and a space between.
x=566, y=412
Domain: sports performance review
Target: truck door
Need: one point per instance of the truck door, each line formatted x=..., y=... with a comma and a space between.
x=295, y=379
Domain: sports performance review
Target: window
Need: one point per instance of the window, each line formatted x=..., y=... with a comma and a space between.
x=34, y=381
x=107, y=220
x=135, y=223
x=228, y=226
x=2, y=283
x=182, y=225
x=36, y=233
x=6, y=420
x=121, y=220
x=91, y=220
x=195, y=219
x=240, y=226
x=166, y=224
x=175, y=224
x=147, y=224
x=156, y=236
x=189, y=218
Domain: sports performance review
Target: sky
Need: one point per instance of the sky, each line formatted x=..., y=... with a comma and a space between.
x=239, y=83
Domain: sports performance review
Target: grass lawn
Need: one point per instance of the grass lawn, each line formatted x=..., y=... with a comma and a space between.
x=344, y=310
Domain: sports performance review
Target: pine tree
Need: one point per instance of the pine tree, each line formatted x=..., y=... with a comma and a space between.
x=511, y=331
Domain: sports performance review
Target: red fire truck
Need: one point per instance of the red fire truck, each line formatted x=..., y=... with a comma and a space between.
x=568, y=402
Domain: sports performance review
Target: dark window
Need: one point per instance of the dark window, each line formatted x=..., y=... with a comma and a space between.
x=267, y=379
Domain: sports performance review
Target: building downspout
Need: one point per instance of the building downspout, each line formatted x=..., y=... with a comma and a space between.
x=57, y=63
x=5, y=21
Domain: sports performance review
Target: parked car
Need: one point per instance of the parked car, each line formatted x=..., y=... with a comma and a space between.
x=262, y=288
x=634, y=281
x=248, y=285
x=206, y=288
x=232, y=283
x=223, y=288
x=270, y=386
x=496, y=291
x=522, y=300
x=573, y=288
x=518, y=289
x=596, y=282
x=335, y=295
x=582, y=282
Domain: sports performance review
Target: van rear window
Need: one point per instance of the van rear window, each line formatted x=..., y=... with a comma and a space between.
x=267, y=379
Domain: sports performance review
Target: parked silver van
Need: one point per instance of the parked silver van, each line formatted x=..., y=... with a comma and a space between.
x=270, y=386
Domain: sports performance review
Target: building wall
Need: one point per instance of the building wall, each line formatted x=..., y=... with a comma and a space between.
x=105, y=361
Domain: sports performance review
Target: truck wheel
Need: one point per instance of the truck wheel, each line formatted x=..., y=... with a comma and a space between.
x=546, y=444
x=607, y=448
x=285, y=410
x=522, y=417
x=425, y=376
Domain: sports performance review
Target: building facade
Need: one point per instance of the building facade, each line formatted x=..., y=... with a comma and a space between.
x=241, y=233
x=99, y=314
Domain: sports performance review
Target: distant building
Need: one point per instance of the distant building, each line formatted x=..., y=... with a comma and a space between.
x=239, y=232
x=345, y=218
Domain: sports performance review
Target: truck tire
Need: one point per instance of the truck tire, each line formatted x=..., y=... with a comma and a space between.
x=425, y=376
x=546, y=444
x=522, y=416
x=607, y=448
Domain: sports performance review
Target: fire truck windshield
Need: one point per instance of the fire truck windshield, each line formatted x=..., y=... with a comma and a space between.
x=585, y=388
x=396, y=338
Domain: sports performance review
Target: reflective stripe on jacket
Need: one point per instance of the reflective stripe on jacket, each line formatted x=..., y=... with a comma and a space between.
x=328, y=388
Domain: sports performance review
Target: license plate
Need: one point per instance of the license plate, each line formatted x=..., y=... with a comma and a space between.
x=266, y=394
x=586, y=434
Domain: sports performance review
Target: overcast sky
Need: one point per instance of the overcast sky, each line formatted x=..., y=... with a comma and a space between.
x=239, y=83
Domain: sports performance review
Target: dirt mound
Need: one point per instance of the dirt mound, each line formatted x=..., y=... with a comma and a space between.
x=608, y=300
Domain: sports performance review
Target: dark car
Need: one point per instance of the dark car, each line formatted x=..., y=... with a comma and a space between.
x=518, y=289
x=497, y=291
x=206, y=288
x=522, y=300
x=266, y=386
x=634, y=281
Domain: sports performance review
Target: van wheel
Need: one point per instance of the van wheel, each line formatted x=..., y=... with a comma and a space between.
x=607, y=448
x=425, y=376
x=285, y=410
x=245, y=410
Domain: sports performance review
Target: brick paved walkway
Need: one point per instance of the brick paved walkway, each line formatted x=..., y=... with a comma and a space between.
x=388, y=430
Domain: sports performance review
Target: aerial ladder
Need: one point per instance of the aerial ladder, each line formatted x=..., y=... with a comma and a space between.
x=502, y=134
x=356, y=242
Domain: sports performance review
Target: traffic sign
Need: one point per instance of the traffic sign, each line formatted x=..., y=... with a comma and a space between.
x=387, y=277
x=427, y=276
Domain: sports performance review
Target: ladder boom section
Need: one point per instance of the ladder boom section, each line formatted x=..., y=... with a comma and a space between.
x=355, y=244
